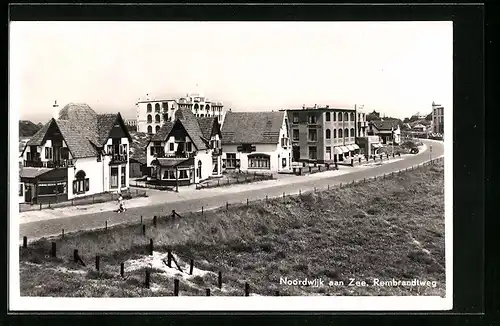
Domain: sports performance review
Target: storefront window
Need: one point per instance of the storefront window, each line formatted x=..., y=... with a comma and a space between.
x=230, y=160
x=113, y=180
x=183, y=174
x=259, y=162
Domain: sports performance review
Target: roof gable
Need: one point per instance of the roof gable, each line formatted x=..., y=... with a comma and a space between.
x=252, y=127
x=105, y=123
x=385, y=124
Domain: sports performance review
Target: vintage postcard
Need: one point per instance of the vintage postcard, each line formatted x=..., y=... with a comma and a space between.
x=270, y=166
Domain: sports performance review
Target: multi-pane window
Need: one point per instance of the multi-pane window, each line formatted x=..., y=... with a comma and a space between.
x=328, y=153
x=295, y=134
x=313, y=155
x=340, y=116
x=352, y=132
x=157, y=118
x=150, y=107
x=189, y=147
x=123, y=177
x=183, y=174
x=49, y=153
x=295, y=117
x=113, y=180
x=352, y=116
x=157, y=107
x=259, y=162
x=171, y=147
x=311, y=118
x=328, y=118
x=346, y=133
x=150, y=129
x=340, y=133
x=150, y=118
x=328, y=134
x=230, y=160
x=346, y=116
x=312, y=135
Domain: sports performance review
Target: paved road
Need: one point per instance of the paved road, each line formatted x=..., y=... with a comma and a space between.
x=38, y=229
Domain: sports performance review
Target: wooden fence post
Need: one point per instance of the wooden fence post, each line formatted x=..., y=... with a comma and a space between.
x=97, y=260
x=154, y=221
x=202, y=210
x=122, y=269
x=191, y=265
x=227, y=206
x=53, y=251
x=247, y=289
x=106, y=226
x=169, y=258
x=75, y=255
x=207, y=292
x=141, y=219
x=176, y=287
x=62, y=234
x=40, y=206
x=151, y=247
x=144, y=230
x=283, y=195
x=219, y=280
x=247, y=202
x=25, y=242
x=147, y=281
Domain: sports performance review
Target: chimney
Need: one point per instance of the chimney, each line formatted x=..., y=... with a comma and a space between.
x=315, y=106
x=303, y=106
x=55, y=110
x=327, y=106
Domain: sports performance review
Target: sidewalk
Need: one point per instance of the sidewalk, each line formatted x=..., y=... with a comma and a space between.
x=190, y=193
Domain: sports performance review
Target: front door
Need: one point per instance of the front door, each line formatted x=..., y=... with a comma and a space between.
x=27, y=194
x=296, y=153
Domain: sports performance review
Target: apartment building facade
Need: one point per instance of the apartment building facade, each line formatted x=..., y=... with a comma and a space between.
x=437, y=118
x=324, y=134
x=153, y=113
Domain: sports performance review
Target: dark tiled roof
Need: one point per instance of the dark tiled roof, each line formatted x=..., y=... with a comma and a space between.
x=164, y=131
x=28, y=172
x=22, y=144
x=207, y=125
x=83, y=130
x=38, y=137
x=138, y=146
x=192, y=127
x=385, y=124
x=252, y=127
x=105, y=123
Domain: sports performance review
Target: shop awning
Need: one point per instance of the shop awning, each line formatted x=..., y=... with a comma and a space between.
x=355, y=146
x=350, y=147
x=337, y=150
x=376, y=145
x=31, y=173
x=344, y=149
x=173, y=162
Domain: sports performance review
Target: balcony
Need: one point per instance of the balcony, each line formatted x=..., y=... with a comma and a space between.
x=48, y=164
x=175, y=155
x=118, y=158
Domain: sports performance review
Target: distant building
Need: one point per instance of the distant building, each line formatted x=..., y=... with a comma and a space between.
x=152, y=113
x=419, y=128
x=256, y=141
x=324, y=134
x=186, y=150
x=387, y=130
x=437, y=118
x=76, y=154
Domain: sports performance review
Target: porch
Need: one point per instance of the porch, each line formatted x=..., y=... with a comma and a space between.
x=44, y=185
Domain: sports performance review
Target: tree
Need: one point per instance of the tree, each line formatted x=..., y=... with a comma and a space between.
x=406, y=120
x=373, y=116
x=28, y=128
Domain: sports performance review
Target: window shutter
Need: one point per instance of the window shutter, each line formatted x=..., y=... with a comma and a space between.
x=46, y=152
x=75, y=189
x=87, y=184
x=152, y=150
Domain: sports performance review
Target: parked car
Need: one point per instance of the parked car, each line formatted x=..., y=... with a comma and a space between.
x=414, y=150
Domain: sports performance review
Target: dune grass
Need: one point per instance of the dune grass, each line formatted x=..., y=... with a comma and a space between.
x=385, y=229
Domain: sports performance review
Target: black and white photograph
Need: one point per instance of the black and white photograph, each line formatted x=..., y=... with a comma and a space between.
x=265, y=165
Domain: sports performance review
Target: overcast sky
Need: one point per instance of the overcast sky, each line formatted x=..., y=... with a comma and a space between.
x=397, y=68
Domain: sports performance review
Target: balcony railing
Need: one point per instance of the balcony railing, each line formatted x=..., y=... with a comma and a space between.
x=118, y=158
x=49, y=164
x=175, y=155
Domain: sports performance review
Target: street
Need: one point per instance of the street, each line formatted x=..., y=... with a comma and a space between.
x=213, y=198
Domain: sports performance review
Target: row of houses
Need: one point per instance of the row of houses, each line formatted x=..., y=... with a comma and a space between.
x=80, y=153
